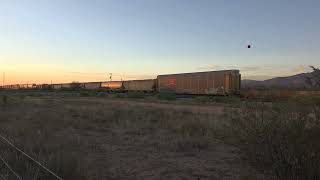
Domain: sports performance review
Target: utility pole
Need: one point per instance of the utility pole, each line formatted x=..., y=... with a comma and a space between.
x=110, y=76
x=3, y=78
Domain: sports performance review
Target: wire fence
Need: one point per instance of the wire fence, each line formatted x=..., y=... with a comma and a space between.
x=5, y=140
x=10, y=168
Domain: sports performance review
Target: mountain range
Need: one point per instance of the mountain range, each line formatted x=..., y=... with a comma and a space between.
x=297, y=81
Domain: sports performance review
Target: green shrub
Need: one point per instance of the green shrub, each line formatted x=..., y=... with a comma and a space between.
x=218, y=99
x=88, y=93
x=203, y=99
x=75, y=86
x=167, y=96
x=119, y=95
x=282, y=135
x=226, y=99
x=137, y=95
x=4, y=99
x=22, y=97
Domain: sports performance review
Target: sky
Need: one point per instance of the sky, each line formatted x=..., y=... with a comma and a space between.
x=44, y=41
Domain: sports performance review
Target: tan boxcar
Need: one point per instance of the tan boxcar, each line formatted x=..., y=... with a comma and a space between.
x=140, y=85
x=66, y=85
x=92, y=85
x=15, y=86
x=212, y=82
x=23, y=86
x=113, y=85
x=57, y=86
x=29, y=86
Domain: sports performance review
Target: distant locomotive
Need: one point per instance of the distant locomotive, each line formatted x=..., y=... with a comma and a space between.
x=226, y=82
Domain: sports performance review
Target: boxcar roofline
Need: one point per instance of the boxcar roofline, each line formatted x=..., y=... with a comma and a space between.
x=231, y=70
x=139, y=80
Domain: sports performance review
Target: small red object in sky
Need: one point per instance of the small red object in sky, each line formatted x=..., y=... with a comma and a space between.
x=249, y=46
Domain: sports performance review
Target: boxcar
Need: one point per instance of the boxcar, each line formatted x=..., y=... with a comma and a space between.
x=92, y=85
x=23, y=86
x=66, y=85
x=212, y=82
x=14, y=86
x=29, y=86
x=147, y=85
x=112, y=85
x=45, y=86
x=56, y=86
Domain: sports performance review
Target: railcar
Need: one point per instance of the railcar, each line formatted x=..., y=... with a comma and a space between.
x=92, y=85
x=66, y=86
x=148, y=85
x=23, y=86
x=112, y=85
x=225, y=82
x=56, y=86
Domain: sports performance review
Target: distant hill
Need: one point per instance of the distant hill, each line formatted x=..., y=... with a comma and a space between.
x=248, y=82
x=291, y=82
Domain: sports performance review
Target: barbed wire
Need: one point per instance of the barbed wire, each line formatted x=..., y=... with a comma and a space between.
x=9, y=167
x=2, y=177
x=25, y=154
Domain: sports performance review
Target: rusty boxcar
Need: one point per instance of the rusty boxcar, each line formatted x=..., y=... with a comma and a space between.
x=112, y=85
x=92, y=85
x=148, y=85
x=66, y=85
x=211, y=82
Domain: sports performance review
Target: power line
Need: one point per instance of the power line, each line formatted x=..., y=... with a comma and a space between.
x=25, y=154
x=8, y=166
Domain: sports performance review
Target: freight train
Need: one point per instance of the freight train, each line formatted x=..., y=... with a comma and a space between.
x=226, y=82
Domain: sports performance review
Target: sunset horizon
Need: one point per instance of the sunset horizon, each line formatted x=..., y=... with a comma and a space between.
x=48, y=41
x=160, y=89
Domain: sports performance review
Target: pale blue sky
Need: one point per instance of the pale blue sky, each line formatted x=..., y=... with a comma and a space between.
x=64, y=40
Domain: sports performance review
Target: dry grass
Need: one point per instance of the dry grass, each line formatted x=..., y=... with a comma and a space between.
x=110, y=138
x=83, y=136
x=282, y=136
x=103, y=138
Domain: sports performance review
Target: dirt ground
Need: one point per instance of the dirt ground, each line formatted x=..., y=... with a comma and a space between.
x=134, y=150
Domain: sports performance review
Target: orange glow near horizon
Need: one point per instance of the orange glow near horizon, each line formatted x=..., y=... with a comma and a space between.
x=41, y=73
x=66, y=77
